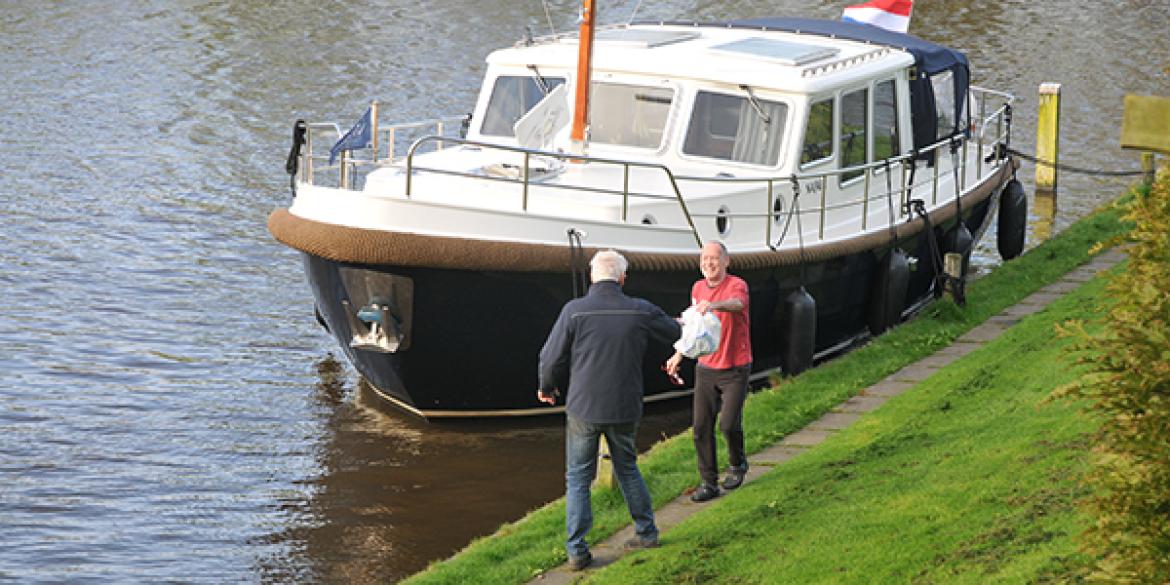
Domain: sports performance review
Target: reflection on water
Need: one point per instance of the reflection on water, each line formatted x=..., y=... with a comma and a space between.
x=169, y=409
x=396, y=492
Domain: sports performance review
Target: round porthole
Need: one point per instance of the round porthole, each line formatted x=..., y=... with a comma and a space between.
x=778, y=211
x=723, y=221
x=648, y=219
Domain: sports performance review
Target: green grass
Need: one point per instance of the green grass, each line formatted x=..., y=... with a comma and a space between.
x=968, y=478
x=521, y=550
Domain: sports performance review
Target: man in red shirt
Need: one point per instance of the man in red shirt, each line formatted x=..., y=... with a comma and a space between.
x=721, y=378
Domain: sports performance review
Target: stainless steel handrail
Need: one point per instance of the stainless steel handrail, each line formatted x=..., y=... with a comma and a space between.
x=525, y=177
x=529, y=152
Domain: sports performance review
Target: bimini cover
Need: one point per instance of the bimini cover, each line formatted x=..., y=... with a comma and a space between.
x=937, y=90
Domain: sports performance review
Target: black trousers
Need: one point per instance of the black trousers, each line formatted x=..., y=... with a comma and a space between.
x=719, y=392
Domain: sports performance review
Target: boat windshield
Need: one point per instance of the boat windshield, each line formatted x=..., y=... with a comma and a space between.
x=629, y=115
x=736, y=128
x=512, y=97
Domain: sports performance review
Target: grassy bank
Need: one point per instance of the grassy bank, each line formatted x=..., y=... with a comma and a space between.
x=968, y=478
x=521, y=550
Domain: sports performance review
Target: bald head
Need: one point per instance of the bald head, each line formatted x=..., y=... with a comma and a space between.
x=713, y=262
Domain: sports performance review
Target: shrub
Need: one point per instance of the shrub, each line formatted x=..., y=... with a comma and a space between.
x=1126, y=385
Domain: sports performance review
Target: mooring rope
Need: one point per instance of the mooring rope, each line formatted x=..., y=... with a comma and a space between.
x=577, y=264
x=1071, y=168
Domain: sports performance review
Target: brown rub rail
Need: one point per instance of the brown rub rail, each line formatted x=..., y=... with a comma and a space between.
x=363, y=246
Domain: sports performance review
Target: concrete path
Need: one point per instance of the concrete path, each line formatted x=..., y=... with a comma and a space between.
x=844, y=414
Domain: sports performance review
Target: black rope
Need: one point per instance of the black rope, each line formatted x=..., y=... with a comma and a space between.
x=294, y=154
x=577, y=264
x=1071, y=168
x=955, y=179
x=799, y=231
x=936, y=263
x=890, y=205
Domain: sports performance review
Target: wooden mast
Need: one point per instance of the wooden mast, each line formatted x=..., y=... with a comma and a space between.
x=584, y=69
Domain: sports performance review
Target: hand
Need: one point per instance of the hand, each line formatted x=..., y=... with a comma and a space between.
x=671, y=365
x=703, y=307
x=546, y=397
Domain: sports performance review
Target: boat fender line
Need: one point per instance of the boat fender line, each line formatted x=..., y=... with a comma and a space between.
x=578, y=265
x=799, y=230
x=940, y=276
x=798, y=332
x=294, y=154
x=340, y=243
x=1013, y=217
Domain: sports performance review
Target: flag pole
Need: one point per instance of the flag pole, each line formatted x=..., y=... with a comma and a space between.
x=584, y=69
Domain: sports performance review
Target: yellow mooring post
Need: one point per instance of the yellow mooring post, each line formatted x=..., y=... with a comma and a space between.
x=605, y=477
x=1048, y=151
x=1048, y=136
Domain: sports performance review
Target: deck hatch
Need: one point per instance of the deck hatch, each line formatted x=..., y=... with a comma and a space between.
x=786, y=52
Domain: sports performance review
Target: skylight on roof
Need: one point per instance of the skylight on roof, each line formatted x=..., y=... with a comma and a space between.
x=785, y=52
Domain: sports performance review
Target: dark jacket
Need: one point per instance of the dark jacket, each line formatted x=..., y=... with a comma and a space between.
x=596, y=349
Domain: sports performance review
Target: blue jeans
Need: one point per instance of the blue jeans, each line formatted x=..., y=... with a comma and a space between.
x=580, y=469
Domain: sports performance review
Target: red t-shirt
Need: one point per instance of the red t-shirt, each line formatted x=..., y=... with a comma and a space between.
x=735, y=342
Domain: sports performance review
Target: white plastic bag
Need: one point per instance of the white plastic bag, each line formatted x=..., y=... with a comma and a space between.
x=700, y=334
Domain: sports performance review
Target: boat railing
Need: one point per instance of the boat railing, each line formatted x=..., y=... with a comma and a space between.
x=386, y=146
x=933, y=158
x=524, y=175
x=901, y=177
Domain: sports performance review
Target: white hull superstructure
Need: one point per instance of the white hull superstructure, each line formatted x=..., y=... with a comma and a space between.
x=818, y=157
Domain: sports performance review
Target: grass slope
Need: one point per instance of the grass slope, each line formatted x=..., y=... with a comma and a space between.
x=521, y=550
x=967, y=478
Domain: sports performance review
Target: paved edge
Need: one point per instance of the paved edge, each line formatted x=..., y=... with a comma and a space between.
x=847, y=412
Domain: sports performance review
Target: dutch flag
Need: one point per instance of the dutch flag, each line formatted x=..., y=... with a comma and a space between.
x=888, y=14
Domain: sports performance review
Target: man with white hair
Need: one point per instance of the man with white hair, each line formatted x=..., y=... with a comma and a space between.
x=594, y=352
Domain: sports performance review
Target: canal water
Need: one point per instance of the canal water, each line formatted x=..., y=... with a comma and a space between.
x=169, y=409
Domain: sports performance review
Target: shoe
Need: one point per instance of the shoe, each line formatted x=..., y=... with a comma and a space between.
x=707, y=491
x=639, y=543
x=579, y=563
x=734, y=477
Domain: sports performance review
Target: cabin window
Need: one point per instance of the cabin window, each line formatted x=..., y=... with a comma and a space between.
x=885, y=121
x=737, y=129
x=512, y=97
x=818, y=134
x=944, y=102
x=629, y=115
x=852, y=139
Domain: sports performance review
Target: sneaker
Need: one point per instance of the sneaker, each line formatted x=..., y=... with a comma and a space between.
x=734, y=477
x=706, y=491
x=639, y=543
x=579, y=563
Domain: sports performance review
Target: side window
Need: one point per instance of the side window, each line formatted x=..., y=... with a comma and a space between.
x=852, y=138
x=818, y=134
x=512, y=97
x=885, y=121
x=735, y=128
x=944, y=102
x=629, y=115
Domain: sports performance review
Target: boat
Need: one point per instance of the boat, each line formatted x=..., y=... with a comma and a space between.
x=849, y=171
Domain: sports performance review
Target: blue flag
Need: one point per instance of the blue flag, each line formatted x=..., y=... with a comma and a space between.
x=358, y=137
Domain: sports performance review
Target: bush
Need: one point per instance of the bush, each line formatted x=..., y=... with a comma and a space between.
x=1127, y=387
